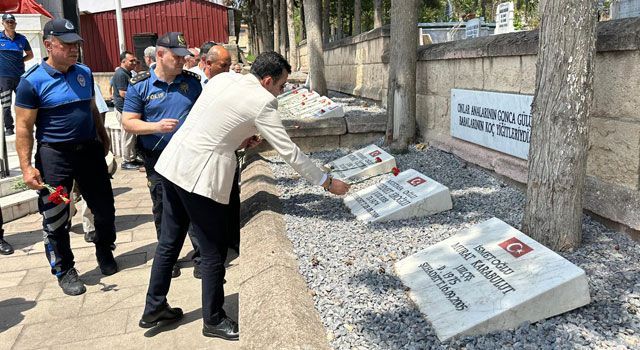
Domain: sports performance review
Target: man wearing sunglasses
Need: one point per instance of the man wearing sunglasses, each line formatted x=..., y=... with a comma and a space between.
x=14, y=52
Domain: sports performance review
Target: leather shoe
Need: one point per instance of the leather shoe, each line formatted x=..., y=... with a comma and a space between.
x=89, y=236
x=5, y=247
x=175, y=271
x=227, y=329
x=106, y=262
x=71, y=284
x=167, y=313
x=129, y=166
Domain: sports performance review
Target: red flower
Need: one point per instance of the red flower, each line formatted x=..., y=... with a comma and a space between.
x=302, y=103
x=59, y=196
x=378, y=160
x=322, y=111
x=395, y=171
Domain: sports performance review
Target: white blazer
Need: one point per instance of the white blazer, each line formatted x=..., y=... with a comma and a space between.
x=200, y=157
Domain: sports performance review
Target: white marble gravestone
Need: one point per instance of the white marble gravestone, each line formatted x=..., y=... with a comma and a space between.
x=301, y=103
x=410, y=194
x=490, y=277
x=362, y=164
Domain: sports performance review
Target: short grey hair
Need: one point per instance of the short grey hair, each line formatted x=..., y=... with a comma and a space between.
x=150, y=52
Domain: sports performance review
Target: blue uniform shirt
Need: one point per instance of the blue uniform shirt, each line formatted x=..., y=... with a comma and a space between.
x=11, y=55
x=63, y=101
x=155, y=100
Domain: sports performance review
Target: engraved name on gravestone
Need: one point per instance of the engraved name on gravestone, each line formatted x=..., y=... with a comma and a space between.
x=410, y=194
x=494, y=120
x=490, y=277
x=369, y=161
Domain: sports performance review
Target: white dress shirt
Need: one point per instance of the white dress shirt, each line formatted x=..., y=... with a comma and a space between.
x=200, y=157
x=200, y=72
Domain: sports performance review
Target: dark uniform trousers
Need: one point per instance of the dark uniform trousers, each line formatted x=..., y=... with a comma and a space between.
x=208, y=223
x=233, y=221
x=7, y=86
x=59, y=165
x=150, y=158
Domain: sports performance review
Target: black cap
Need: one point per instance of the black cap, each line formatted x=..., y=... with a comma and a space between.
x=62, y=29
x=8, y=17
x=175, y=42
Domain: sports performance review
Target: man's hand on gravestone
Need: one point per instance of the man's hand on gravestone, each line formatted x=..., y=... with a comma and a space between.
x=166, y=125
x=338, y=187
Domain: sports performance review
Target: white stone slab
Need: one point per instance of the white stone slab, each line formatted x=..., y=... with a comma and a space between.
x=490, y=277
x=495, y=120
x=410, y=194
x=362, y=164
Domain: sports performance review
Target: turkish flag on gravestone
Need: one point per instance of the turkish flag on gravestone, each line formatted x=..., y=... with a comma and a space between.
x=24, y=6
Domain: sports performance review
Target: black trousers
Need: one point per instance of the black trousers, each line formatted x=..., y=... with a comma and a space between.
x=207, y=218
x=59, y=165
x=233, y=218
x=150, y=158
x=7, y=86
x=1, y=224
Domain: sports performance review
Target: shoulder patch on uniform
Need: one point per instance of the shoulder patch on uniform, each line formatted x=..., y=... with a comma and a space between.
x=140, y=77
x=30, y=70
x=191, y=74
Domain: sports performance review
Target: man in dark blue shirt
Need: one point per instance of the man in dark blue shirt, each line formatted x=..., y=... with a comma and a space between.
x=120, y=85
x=12, y=59
x=155, y=106
x=57, y=97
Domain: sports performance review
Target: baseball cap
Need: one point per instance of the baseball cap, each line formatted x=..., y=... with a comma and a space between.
x=8, y=17
x=175, y=42
x=62, y=29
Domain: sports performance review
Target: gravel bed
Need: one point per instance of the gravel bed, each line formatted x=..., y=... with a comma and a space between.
x=356, y=106
x=348, y=265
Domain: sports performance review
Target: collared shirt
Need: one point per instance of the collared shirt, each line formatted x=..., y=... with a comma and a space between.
x=63, y=101
x=11, y=55
x=155, y=100
x=200, y=72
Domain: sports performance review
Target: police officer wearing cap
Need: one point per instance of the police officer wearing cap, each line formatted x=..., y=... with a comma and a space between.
x=14, y=52
x=156, y=104
x=57, y=96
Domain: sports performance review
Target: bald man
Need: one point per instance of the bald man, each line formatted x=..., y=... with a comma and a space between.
x=218, y=60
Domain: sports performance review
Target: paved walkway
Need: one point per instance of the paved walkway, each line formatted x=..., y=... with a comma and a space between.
x=35, y=314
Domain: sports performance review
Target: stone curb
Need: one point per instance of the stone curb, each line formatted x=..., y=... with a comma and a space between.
x=276, y=309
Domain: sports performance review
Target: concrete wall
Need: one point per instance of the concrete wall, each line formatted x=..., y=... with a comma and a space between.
x=506, y=63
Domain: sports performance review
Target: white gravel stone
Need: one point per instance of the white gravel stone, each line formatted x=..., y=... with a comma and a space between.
x=354, y=281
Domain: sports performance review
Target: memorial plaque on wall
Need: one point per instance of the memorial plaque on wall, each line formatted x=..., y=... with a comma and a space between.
x=366, y=162
x=494, y=120
x=490, y=277
x=410, y=194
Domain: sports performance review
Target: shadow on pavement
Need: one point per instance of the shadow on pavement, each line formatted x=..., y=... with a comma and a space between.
x=11, y=311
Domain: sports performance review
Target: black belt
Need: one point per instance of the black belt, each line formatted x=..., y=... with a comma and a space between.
x=69, y=146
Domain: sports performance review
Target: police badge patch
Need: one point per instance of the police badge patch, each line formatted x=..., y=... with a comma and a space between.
x=81, y=80
x=184, y=87
x=181, y=40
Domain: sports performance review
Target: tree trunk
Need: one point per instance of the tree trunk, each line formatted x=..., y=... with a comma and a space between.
x=303, y=26
x=357, y=10
x=283, y=27
x=403, y=57
x=293, y=46
x=339, y=22
x=561, y=105
x=254, y=27
x=268, y=7
x=326, y=24
x=314, y=46
x=276, y=25
x=377, y=13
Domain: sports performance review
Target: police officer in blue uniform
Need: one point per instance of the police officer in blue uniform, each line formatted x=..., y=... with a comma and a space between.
x=156, y=104
x=57, y=97
x=12, y=59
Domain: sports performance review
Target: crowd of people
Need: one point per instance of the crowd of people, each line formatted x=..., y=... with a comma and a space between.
x=183, y=121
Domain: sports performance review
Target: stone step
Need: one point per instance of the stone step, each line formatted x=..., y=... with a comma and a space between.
x=19, y=204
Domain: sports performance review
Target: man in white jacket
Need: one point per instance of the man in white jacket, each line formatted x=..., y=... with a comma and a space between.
x=198, y=167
